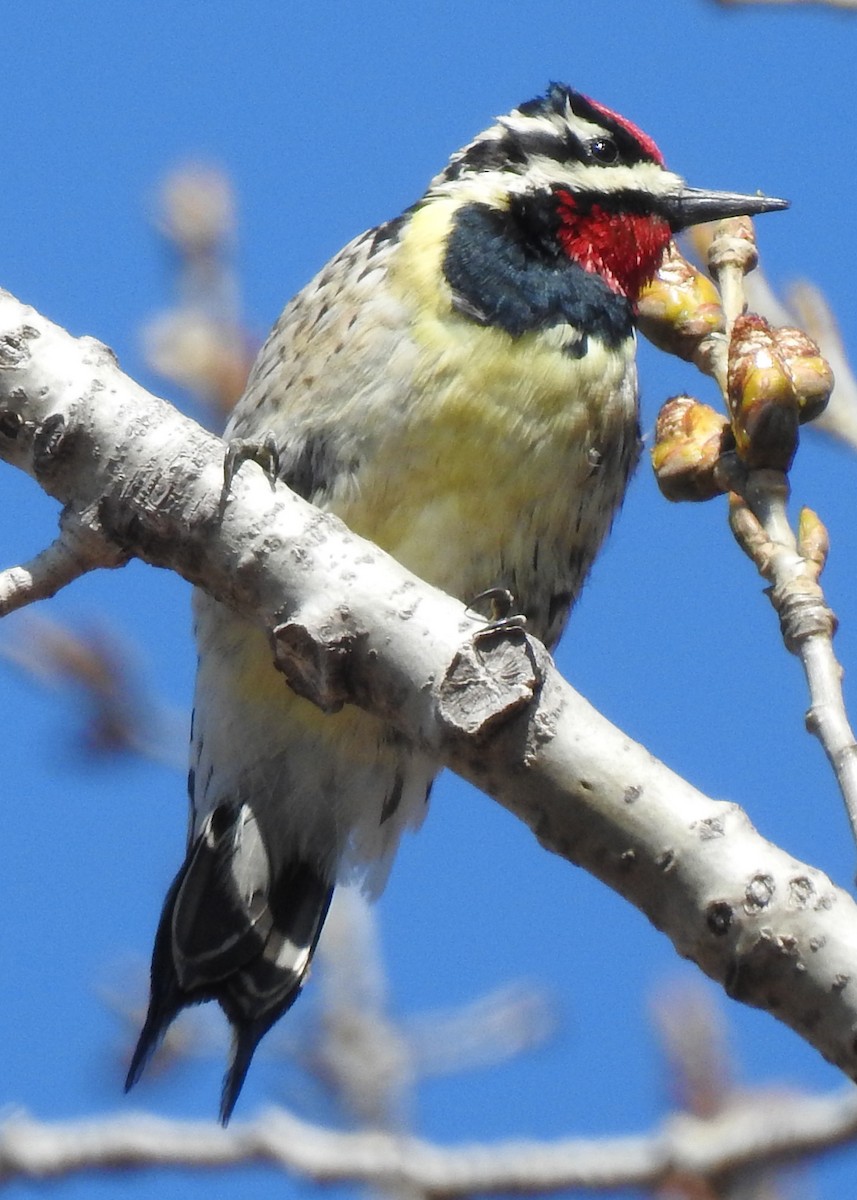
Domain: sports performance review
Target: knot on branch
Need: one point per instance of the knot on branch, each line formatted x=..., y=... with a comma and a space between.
x=53, y=445
x=316, y=659
x=800, y=606
x=493, y=677
x=15, y=346
x=733, y=247
x=87, y=540
x=11, y=423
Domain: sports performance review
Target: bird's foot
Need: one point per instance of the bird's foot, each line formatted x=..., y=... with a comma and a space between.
x=501, y=614
x=263, y=452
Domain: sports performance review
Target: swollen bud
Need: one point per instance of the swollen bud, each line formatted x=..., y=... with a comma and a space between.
x=762, y=400
x=679, y=308
x=810, y=373
x=689, y=440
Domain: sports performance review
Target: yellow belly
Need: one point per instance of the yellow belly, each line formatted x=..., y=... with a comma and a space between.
x=505, y=449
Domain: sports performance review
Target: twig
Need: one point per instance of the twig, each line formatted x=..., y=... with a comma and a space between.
x=116, y=713
x=202, y=343
x=694, y=1039
x=849, y=4
x=75, y=552
x=369, y=1061
x=759, y=520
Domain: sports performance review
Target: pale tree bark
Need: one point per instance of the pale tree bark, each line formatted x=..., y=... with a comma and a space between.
x=348, y=624
x=780, y=1131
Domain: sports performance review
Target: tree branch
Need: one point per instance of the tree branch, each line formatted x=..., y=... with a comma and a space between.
x=851, y=4
x=782, y=1129
x=349, y=623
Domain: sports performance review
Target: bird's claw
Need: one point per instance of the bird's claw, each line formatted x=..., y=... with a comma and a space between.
x=240, y=450
x=501, y=616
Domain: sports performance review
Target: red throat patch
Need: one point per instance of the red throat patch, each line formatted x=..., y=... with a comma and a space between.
x=625, y=249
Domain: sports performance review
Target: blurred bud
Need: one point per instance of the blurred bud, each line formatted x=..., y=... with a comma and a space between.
x=197, y=209
x=207, y=357
x=679, y=308
x=762, y=401
x=810, y=373
x=813, y=541
x=689, y=440
x=96, y=667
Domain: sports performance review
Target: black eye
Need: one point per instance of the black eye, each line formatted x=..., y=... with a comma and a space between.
x=603, y=150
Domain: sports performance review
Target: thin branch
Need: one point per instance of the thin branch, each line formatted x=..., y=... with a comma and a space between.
x=368, y=1061
x=694, y=1039
x=202, y=343
x=745, y=1134
x=792, y=563
x=115, y=712
x=772, y=379
x=75, y=552
x=356, y=1049
x=348, y=623
x=849, y=4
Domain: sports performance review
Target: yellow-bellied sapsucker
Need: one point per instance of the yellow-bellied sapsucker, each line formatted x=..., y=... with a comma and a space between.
x=458, y=385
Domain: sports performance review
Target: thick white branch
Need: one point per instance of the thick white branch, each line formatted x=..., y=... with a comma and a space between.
x=348, y=623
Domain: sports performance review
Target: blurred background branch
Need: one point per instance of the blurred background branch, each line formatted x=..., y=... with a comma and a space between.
x=201, y=344
x=850, y=4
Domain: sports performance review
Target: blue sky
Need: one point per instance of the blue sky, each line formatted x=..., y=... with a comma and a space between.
x=329, y=118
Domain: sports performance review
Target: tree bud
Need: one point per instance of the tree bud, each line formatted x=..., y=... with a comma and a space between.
x=762, y=400
x=689, y=440
x=679, y=307
x=810, y=373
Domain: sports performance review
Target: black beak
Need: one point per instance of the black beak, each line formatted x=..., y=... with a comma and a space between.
x=692, y=206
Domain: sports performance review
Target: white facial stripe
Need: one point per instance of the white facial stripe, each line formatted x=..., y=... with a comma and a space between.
x=644, y=177
x=544, y=170
x=543, y=173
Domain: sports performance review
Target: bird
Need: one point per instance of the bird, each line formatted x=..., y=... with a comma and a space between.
x=458, y=385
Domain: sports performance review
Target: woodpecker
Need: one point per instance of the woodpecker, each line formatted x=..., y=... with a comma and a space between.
x=459, y=386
